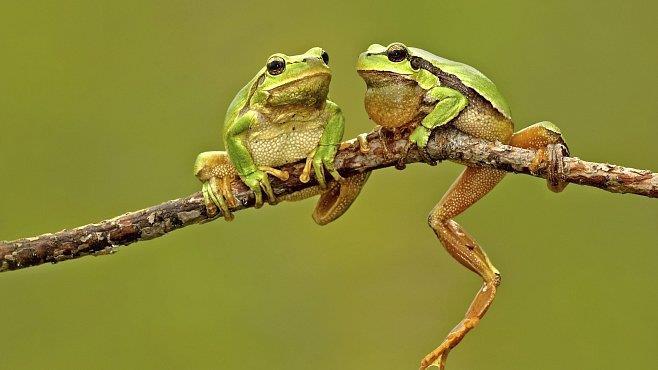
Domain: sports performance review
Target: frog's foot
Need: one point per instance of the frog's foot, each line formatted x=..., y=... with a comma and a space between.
x=547, y=139
x=439, y=356
x=440, y=361
x=419, y=137
x=554, y=154
x=320, y=159
x=258, y=182
x=215, y=171
x=209, y=201
x=279, y=174
x=217, y=193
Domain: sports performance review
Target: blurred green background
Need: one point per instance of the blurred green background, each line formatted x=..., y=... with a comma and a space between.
x=104, y=106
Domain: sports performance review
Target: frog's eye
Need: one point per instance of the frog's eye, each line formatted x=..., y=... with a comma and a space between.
x=325, y=57
x=397, y=53
x=276, y=65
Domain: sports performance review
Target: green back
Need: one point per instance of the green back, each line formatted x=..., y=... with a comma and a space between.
x=470, y=77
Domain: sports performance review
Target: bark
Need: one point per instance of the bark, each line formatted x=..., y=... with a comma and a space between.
x=446, y=144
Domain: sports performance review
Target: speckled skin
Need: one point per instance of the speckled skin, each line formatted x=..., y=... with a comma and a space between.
x=409, y=88
x=272, y=143
x=281, y=116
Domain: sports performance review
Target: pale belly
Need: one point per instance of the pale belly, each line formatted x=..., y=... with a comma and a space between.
x=286, y=143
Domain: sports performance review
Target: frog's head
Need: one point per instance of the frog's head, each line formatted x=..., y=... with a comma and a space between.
x=393, y=93
x=296, y=79
x=393, y=59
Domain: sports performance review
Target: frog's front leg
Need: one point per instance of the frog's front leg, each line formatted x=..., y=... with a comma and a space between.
x=250, y=174
x=540, y=136
x=324, y=154
x=449, y=103
x=215, y=171
x=471, y=185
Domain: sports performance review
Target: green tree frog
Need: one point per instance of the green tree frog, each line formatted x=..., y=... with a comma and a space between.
x=281, y=116
x=411, y=89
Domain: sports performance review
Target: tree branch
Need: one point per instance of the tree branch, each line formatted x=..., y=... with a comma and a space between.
x=445, y=144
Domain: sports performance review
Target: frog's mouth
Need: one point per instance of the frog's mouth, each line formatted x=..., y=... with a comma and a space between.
x=310, y=89
x=384, y=78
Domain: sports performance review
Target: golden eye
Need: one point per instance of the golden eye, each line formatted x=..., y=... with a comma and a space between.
x=276, y=65
x=397, y=53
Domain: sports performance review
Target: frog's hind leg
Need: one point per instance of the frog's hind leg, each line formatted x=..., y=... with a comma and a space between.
x=334, y=200
x=339, y=196
x=215, y=171
x=471, y=185
x=544, y=136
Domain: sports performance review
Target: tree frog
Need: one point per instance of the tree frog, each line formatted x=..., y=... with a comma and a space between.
x=281, y=116
x=411, y=89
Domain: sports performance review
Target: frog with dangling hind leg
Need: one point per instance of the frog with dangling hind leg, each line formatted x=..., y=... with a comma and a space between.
x=412, y=89
x=281, y=116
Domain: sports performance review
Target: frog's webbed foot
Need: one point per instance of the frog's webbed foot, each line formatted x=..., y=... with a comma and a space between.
x=419, y=137
x=258, y=182
x=319, y=159
x=551, y=148
x=279, y=174
x=216, y=172
x=217, y=193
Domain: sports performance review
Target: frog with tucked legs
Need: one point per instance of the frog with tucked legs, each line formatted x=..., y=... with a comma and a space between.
x=281, y=116
x=412, y=89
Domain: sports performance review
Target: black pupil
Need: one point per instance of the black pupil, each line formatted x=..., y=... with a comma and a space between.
x=325, y=57
x=276, y=66
x=397, y=54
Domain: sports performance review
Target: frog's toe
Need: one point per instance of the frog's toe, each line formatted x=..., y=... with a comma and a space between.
x=211, y=207
x=435, y=360
x=258, y=193
x=362, y=141
x=213, y=198
x=547, y=140
x=267, y=188
x=555, y=174
x=329, y=165
x=420, y=136
x=318, y=169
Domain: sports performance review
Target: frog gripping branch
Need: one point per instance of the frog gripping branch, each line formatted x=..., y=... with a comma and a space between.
x=281, y=124
x=412, y=89
x=281, y=116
